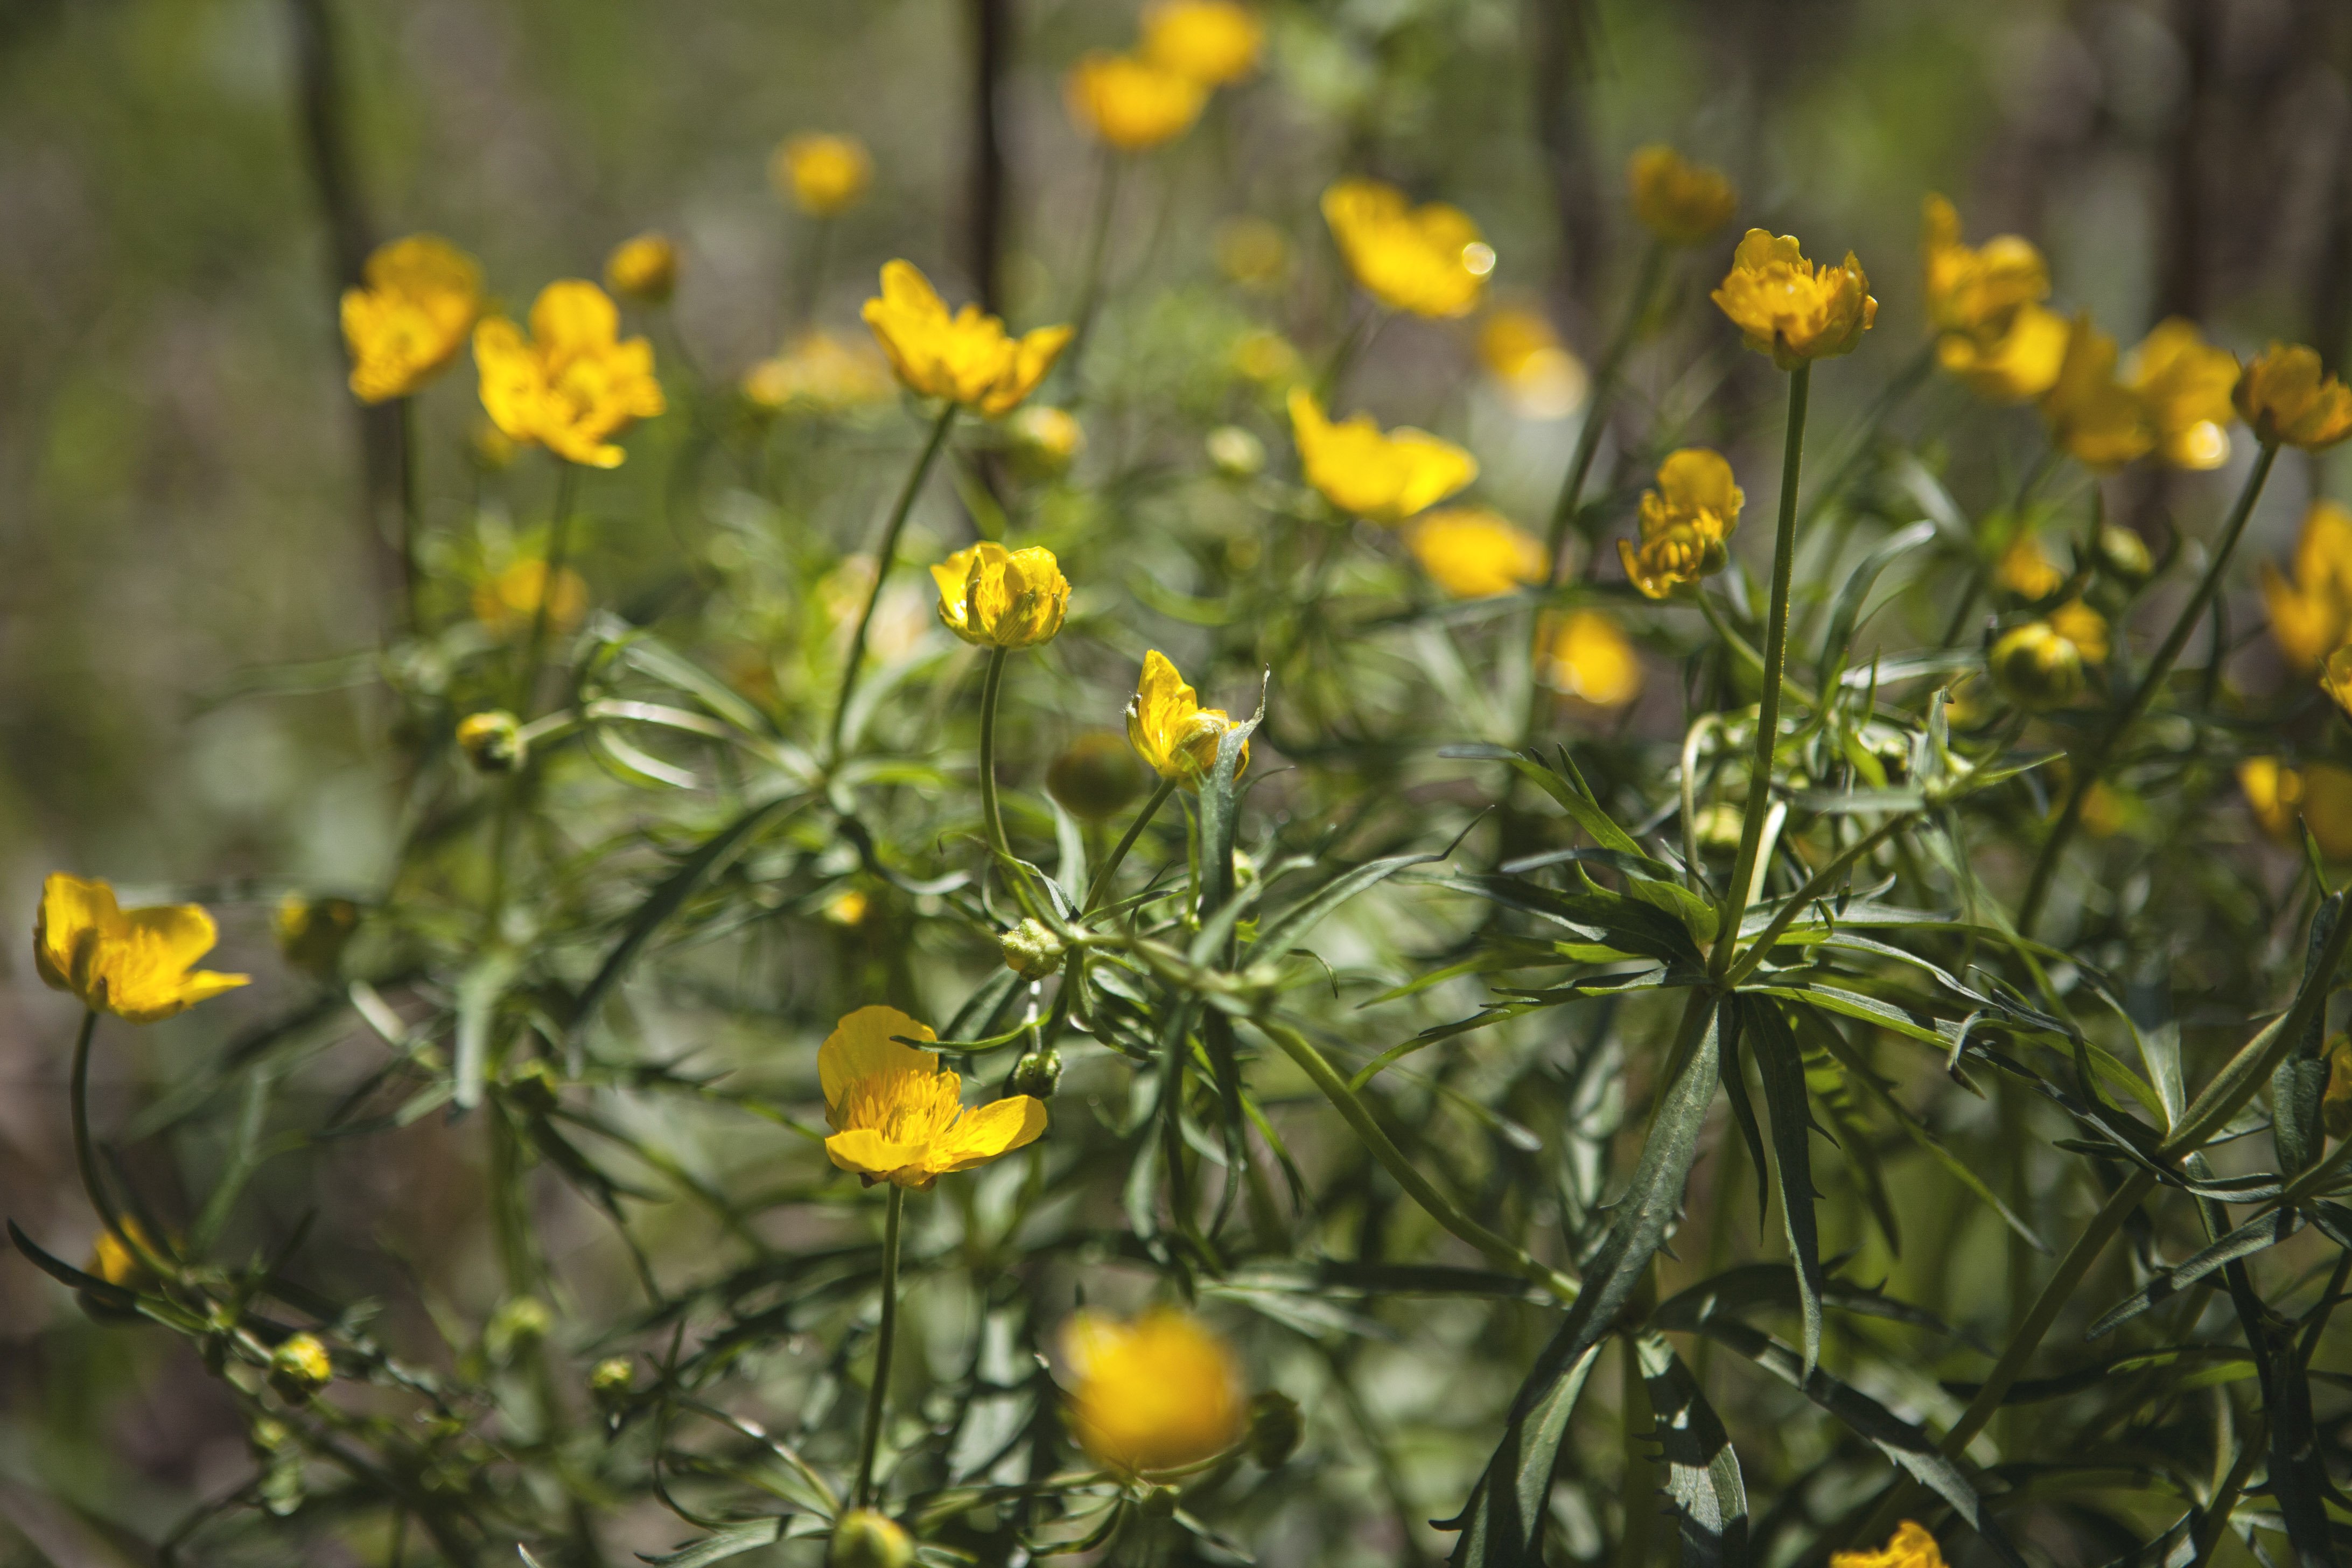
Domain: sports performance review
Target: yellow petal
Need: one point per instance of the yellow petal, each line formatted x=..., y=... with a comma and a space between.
x=869, y=1153
x=572, y=316
x=861, y=1047
x=74, y=915
x=982, y=1134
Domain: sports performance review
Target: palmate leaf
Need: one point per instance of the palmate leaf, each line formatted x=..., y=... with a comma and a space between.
x=1703, y=1481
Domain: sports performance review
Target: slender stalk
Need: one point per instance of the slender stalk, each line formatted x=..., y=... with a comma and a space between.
x=1126, y=842
x=559, y=555
x=1596, y=406
x=882, y=561
x=1776, y=664
x=412, y=516
x=2089, y=768
x=1818, y=886
x=883, y=1337
x=991, y=686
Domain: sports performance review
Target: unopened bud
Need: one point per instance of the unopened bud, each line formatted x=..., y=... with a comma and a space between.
x=1036, y=1073
x=1236, y=453
x=1275, y=1428
x=611, y=1381
x=2125, y=554
x=1097, y=777
x=2036, y=668
x=521, y=1323
x=492, y=742
x=1032, y=950
x=300, y=1367
x=864, y=1539
x=1045, y=441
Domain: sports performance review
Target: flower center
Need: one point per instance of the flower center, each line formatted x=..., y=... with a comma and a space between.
x=905, y=1105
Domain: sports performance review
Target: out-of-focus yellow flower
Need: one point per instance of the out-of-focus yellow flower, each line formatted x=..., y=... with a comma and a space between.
x=1977, y=291
x=1429, y=260
x=1045, y=441
x=507, y=602
x=1910, y=1547
x=2026, y=570
x=1264, y=357
x=1131, y=103
x=997, y=597
x=1252, y=252
x=864, y=1537
x=2097, y=418
x=2084, y=627
x=2311, y=614
x=1380, y=478
x=1212, y=41
x=2335, y=678
x=573, y=385
x=2186, y=384
x=312, y=933
x=1170, y=731
x=966, y=358
x=824, y=175
x=898, y=1116
x=2336, y=1100
x=1473, y=552
x=1792, y=309
x=2318, y=794
x=1687, y=523
x=1581, y=654
x=644, y=268
x=2105, y=813
x=2290, y=402
x=1680, y=201
x=138, y=965
x=2036, y=667
x=1538, y=376
x=847, y=908
x=819, y=371
x=1157, y=1394
x=2019, y=364
x=410, y=315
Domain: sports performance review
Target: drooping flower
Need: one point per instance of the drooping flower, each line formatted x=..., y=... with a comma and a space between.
x=1428, y=260
x=966, y=358
x=1539, y=377
x=824, y=175
x=507, y=601
x=2186, y=384
x=1581, y=654
x=898, y=1116
x=821, y=372
x=1381, y=478
x=997, y=597
x=643, y=268
x=1910, y=1547
x=138, y=965
x=1170, y=731
x=574, y=383
x=1129, y=102
x=1474, y=553
x=1159, y=1393
x=2317, y=795
x=2102, y=423
x=410, y=315
x=1792, y=309
x=1687, y=523
x=1212, y=41
x=2289, y=401
x=1680, y=201
x=2311, y=614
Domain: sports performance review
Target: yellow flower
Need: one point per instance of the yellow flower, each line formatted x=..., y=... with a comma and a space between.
x=508, y=602
x=1583, y=655
x=1474, y=553
x=1045, y=441
x=2335, y=678
x=823, y=175
x=1910, y=1547
x=2186, y=383
x=1169, y=728
x=966, y=358
x=2288, y=400
x=1977, y=292
x=573, y=385
x=410, y=316
x=1156, y=1394
x=2319, y=795
x=1131, y=103
x=1680, y=201
x=2084, y=627
x=1685, y=523
x=2021, y=362
x=1380, y=478
x=1792, y=308
x=644, y=268
x=1540, y=378
x=820, y=371
x=1212, y=41
x=2026, y=570
x=1001, y=598
x=1264, y=357
x=2091, y=414
x=2311, y=617
x=2036, y=667
x=1430, y=260
x=898, y=1116
x=134, y=963
x=1252, y=252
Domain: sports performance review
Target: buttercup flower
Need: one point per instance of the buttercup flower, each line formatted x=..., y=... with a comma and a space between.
x=2317, y=795
x=2311, y=614
x=1212, y=41
x=1977, y=291
x=1170, y=731
x=1474, y=553
x=508, y=602
x=410, y=316
x=2290, y=402
x=1539, y=377
x=1430, y=260
x=819, y=371
x=966, y=358
x=1380, y=478
x=1157, y=1394
x=1685, y=523
x=2026, y=570
x=1792, y=308
x=2084, y=627
x=1680, y=201
x=1129, y=102
x=1045, y=441
x=137, y=964
x=823, y=175
x=573, y=385
x=1910, y=1547
x=1001, y=598
x=644, y=268
x=2036, y=667
x=2020, y=363
x=1583, y=655
x=898, y=1116
x=2091, y=414
x=2186, y=383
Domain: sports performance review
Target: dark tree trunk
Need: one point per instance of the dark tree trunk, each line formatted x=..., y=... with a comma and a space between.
x=985, y=199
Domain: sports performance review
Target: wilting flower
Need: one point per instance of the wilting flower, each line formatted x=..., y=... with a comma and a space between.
x=644, y=268
x=1212, y=41
x=2097, y=418
x=1581, y=654
x=823, y=175
x=2318, y=794
x=1156, y=1394
x=2186, y=383
x=1430, y=260
x=1539, y=377
x=1379, y=477
x=573, y=385
x=997, y=597
x=2311, y=614
x=1170, y=731
x=1910, y=1547
x=898, y=1116
x=966, y=358
x=1977, y=291
x=1686, y=522
x=1129, y=102
x=137, y=964
x=1790, y=308
x=1474, y=553
x=2291, y=402
x=410, y=315
x=2026, y=570
x=507, y=601
x=820, y=371
x=1680, y=201
x=2036, y=667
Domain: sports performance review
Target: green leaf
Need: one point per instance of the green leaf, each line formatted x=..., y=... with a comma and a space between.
x=1505, y=1524
x=1703, y=1481
x=2249, y=1239
x=1783, y=1069
x=1283, y=932
x=730, y=1542
x=1845, y=612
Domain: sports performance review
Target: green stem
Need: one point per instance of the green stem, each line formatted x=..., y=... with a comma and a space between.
x=559, y=553
x=1596, y=407
x=1126, y=842
x=85, y=1150
x=882, y=561
x=412, y=525
x=1818, y=886
x=883, y=1337
x=990, y=685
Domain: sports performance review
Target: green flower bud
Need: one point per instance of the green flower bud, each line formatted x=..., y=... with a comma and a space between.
x=1275, y=1425
x=1236, y=453
x=521, y=1323
x=300, y=1367
x=1036, y=1073
x=612, y=1380
x=864, y=1539
x=2036, y=668
x=492, y=742
x=1032, y=950
x=1097, y=777
x=2125, y=554
x=1045, y=441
